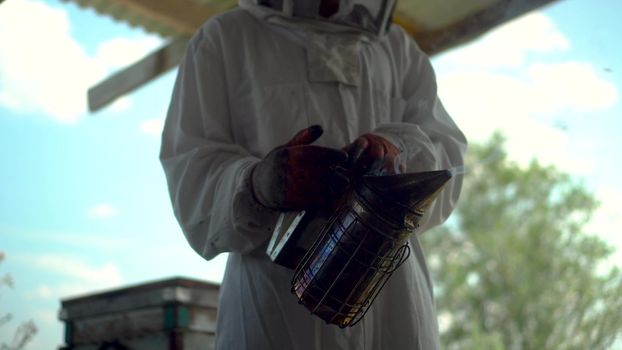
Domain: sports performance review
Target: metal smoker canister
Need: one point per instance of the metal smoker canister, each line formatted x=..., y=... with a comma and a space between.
x=362, y=244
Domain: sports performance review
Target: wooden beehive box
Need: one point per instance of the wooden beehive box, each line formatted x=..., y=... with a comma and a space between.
x=172, y=314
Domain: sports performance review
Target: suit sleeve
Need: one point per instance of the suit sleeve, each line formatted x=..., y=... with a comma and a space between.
x=207, y=171
x=423, y=130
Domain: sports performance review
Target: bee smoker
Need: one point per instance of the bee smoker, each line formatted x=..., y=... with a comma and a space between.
x=343, y=259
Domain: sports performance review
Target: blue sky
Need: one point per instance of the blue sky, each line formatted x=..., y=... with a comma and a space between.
x=84, y=207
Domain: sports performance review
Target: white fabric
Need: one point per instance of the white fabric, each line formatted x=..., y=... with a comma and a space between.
x=247, y=85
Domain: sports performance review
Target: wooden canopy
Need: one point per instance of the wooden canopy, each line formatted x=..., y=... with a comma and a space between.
x=436, y=25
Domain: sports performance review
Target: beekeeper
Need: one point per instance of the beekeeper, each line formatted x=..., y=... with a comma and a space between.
x=270, y=99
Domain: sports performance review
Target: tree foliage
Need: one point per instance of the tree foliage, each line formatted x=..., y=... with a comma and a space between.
x=25, y=331
x=514, y=268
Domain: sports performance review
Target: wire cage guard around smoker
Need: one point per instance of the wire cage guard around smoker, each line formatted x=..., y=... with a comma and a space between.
x=360, y=246
x=348, y=265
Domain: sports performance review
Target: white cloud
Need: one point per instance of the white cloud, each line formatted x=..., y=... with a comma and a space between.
x=78, y=276
x=107, y=241
x=78, y=269
x=510, y=44
x=152, y=126
x=121, y=104
x=511, y=105
x=44, y=292
x=521, y=99
x=120, y=52
x=539, y=89
x=102, y=211
x=175, y=257
x=47, y=317
x=569, y=86
x=43, y=69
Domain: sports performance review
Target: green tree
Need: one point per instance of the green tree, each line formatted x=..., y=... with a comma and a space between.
x=25, y=331
x=514, y=269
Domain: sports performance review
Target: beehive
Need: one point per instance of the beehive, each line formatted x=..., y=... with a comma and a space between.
x=172, y=314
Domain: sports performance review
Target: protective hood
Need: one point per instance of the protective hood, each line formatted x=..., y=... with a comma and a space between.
x=371, y=16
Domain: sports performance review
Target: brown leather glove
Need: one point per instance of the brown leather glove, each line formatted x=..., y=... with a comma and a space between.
x=373, y=154
x=298, y=175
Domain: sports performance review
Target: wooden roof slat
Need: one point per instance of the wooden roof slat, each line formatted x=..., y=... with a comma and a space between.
x=474, y=25
x=436, y=26
x=137, y=74
x=183, y=15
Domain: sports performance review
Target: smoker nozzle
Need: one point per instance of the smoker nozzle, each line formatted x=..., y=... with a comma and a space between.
x=403, y=195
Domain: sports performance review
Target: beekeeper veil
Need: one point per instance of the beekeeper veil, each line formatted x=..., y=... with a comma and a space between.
x=373, y=16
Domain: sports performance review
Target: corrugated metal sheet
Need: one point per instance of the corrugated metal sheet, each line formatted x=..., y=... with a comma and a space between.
x=122, y=13
x=436, y=25
x=429, y=15
x=424, y=15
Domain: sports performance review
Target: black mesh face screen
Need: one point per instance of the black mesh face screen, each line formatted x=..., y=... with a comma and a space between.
x=372, y=16
x=274, y=4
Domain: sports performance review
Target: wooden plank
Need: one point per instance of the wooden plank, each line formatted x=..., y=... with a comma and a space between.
x=434, y=15
x=137, y=74
x=176, y=290
x=158, y=341
x=140, y=323
x=189, y=15
x=118, y=326
x=183, y=15
x=472, y=26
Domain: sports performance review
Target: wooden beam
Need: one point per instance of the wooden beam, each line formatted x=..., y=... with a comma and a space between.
x=406, y=23
x=137, y=74
x=185, y=16
x=474, y=25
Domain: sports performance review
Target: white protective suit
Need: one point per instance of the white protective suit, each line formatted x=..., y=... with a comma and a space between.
x=249, y=81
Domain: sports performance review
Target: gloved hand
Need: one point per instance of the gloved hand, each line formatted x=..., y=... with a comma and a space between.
x=298, y=175
x=375, y=155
